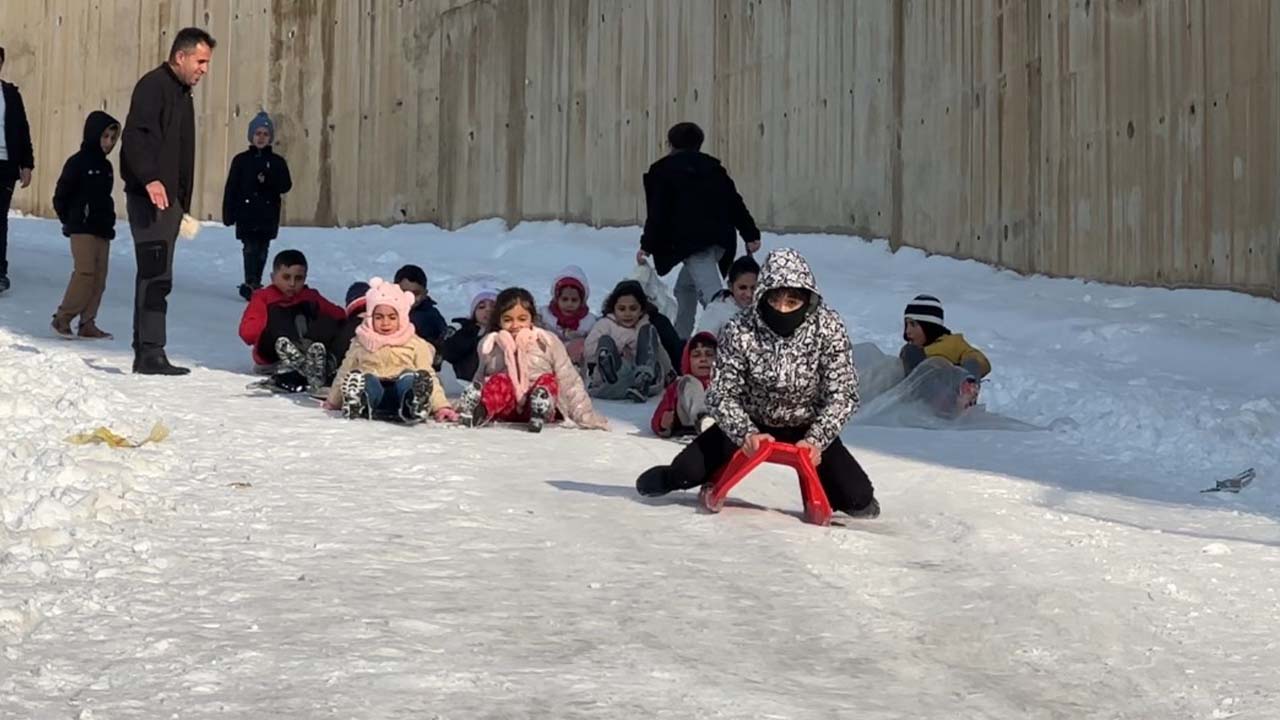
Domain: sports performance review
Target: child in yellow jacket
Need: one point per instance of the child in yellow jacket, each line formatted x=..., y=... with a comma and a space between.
x=927, y=337
x=387, y=371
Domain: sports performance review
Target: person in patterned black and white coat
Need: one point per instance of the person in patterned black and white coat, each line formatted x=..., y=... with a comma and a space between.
x=784, y=372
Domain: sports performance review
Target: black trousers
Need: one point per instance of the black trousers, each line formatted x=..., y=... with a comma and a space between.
x=845, y=482
x=255, y=252
x=295, y=323
x=155, y=235
x=8, y=175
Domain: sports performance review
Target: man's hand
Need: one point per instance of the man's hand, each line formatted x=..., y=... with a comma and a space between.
x=159, y=198
x=751, y=445
x=640, y=257
x=753, y=247
x=815, y=453
x=24, y=177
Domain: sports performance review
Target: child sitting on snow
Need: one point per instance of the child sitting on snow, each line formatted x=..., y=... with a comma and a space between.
x=426, y=318
x=784, y=371
x=629, y=360
x=525, y=373
x=928, y=338
x=356, y=311
x=387, y=370
x=568, y=309
x=460, y=346
x=727, y=303
x=291, y=327
x=683, y=408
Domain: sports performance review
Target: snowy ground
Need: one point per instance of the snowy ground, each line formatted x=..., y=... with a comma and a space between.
x=267, y=560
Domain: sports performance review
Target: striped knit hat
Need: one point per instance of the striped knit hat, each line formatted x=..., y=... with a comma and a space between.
x=925, y=308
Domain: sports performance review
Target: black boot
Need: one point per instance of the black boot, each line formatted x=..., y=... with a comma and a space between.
x=653, y=482
x=155, y=362
x=870, y=511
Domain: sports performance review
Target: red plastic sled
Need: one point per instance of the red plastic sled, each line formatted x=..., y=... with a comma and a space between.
x=816, y=508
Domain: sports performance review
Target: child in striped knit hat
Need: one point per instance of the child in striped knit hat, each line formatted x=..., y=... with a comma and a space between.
x=927, y=337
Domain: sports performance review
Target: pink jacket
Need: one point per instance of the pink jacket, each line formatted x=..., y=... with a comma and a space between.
x=530, y=354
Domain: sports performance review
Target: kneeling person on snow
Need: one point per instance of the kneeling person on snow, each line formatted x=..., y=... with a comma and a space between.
x=929, y=341
x=784, y=371
x=387, y=372
x=291, y=327
x=683, y=408
x=525, y=372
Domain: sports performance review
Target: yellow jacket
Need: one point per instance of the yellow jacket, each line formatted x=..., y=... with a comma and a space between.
x=388, y=363
x=954, y=348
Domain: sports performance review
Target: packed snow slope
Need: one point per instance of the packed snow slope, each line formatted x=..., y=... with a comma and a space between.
x=269, y=560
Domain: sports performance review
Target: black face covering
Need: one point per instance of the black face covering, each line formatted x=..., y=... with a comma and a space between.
x=784, y=324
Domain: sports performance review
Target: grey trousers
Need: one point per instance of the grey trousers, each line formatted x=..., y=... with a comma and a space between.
x=699, y=280
x=155, y=233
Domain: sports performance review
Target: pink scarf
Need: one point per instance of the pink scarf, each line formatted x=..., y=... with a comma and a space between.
x=389, y=294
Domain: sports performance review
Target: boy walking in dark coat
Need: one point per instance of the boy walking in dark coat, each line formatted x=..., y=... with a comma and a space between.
x=83, y=202
x=694, y=217
x=251, y=199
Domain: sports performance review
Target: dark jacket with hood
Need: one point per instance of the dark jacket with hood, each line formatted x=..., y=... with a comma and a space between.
x=428, y=321
x=805, y=379
x=459, y=349
x=159, y=140
x=17, y=132
x=251, y=199
x=692, y=205
x=82, y=198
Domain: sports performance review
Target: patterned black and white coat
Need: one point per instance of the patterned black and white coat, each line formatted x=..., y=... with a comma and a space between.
x=765, y=380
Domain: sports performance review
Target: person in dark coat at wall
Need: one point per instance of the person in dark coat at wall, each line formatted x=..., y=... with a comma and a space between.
x=251, y=199
x=83, y=202
x=17, y=161
x=157, y=163
x=694, y=217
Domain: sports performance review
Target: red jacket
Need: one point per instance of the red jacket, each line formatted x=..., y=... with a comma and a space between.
x=669, y=398
x=254, y=320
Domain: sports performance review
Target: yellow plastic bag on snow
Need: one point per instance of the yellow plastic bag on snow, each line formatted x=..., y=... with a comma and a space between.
x=105, y=436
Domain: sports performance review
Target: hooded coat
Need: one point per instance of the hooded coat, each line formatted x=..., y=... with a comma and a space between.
x=763, y=379
x=692, y=204
x=671, y=396
x=527, y=356
x=82, y=198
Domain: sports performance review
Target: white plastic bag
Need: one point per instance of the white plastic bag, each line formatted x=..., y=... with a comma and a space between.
x=657, y=290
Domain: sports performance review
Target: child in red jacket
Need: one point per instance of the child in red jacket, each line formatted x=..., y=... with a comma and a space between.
x=290, y=326
x=683, y=408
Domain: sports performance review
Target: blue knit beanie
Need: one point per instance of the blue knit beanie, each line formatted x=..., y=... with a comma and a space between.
x=262, y=120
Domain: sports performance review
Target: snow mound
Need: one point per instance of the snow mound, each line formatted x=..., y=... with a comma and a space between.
x=58, y=499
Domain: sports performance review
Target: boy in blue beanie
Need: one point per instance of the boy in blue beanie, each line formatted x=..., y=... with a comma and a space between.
x=251, y=200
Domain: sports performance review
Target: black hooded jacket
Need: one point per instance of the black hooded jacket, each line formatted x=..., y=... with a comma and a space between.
x=82, y=198
x=692, y=205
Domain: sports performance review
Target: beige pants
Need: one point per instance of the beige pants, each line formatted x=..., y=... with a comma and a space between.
x=88, y=280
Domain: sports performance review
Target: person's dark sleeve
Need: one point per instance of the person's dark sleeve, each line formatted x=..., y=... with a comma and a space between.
x=142, y=139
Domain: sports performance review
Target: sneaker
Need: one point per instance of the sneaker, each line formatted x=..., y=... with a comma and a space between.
x=418, y=404
x=62, y=327
x=291, y=357
x=643, y=380
x=471, y=411
x=246, y=292
x=4, y=283
x=606, y=363
x=315, y=366
x=635, y=395
x=542, y=409
x=653, y=482
x=868, y=512
x=90, y=331
x=355, y=403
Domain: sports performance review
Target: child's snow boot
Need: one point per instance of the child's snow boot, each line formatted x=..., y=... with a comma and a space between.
x=607, y=363
x=417, y=405
x=640, y=384
x=653, y=482
x=471, y=412
x=291, y=356
x=355, y=403
x=542, y=409
x=315, y=366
